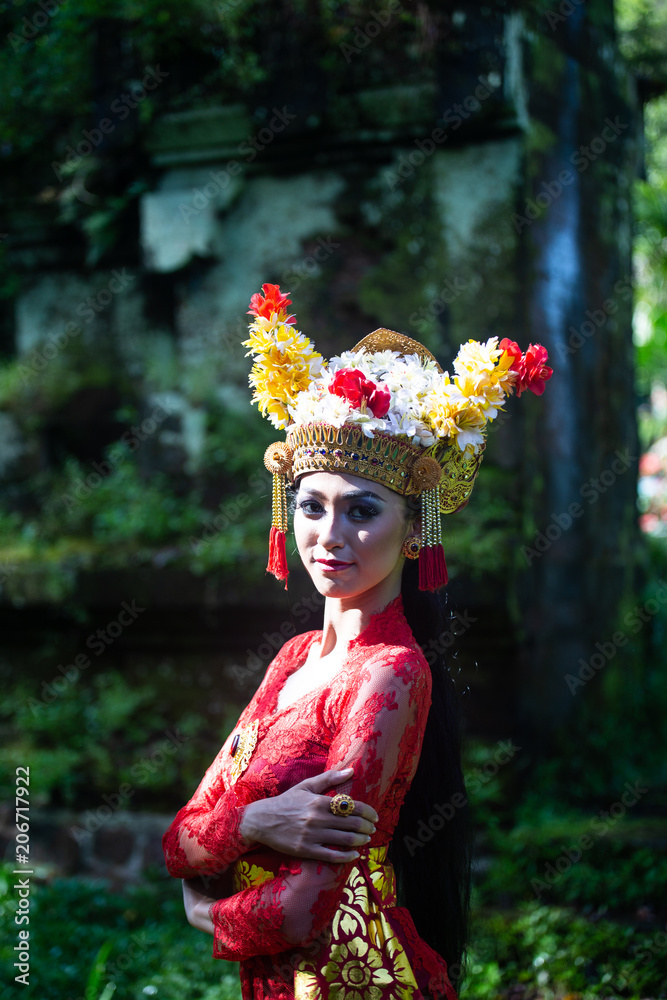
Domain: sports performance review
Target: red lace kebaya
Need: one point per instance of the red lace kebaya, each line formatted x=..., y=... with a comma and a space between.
x=302, y=928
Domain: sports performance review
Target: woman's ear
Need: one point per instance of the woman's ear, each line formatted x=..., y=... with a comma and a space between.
x=413, y=517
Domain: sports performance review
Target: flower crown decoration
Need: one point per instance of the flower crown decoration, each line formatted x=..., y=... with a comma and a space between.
x=384, y=410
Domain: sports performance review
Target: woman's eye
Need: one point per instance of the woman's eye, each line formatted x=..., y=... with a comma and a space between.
x=309, y=506
x=362, y=512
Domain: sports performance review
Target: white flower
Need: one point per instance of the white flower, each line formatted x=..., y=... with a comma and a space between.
x=475, y=358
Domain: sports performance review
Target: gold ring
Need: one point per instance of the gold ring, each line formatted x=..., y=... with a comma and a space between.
x=342, y=805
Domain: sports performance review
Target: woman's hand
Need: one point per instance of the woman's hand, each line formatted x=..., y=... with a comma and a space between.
x=300, y=822
x=196, y=904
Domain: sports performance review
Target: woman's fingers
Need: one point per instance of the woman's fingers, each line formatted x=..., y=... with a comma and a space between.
x=349, y=839
x=196, y=904
x=300, y=822
x=333, y=857
x=321, y=783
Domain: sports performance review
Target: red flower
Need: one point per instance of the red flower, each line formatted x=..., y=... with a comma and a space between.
x=534, y=373
x=360, y=392
x=273, y=301
x=511, y=347
x=530, y=367
x=649, y=464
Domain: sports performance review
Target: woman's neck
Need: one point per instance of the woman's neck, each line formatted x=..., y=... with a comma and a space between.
x=345, y=618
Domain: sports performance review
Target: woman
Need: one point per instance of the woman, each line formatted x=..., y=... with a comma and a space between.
x=300, y=807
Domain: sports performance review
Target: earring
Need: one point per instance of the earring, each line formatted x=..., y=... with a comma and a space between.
x=411, y=547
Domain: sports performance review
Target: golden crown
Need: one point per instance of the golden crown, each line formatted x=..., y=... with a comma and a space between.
x=384, y=411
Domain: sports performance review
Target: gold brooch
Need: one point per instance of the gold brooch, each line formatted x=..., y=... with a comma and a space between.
x=242, y=747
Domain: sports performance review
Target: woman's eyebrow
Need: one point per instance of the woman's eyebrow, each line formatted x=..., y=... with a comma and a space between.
x=362, y=495
x=351, y=495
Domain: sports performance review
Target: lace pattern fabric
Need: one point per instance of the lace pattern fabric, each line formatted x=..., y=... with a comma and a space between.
x=302, y=928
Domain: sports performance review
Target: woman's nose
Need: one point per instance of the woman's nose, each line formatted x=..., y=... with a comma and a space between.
x=331, y=531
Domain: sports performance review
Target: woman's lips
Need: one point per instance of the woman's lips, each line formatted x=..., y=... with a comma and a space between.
x=332, y=565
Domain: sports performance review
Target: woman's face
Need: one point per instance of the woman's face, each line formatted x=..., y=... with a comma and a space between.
x=349, y=533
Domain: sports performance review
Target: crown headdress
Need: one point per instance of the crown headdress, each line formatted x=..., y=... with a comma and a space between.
x=384, y=410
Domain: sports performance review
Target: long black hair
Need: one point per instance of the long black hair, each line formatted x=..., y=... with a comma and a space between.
x=431, y=846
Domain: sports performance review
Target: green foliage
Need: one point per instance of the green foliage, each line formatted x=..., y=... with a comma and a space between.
x=87, y=736
x=576, y=859
x=642, y=27
x=51, y=76
x=139, y=942
x=480, y=538
x=88, y=940
x=555, y=951
x=651, y=282
x=123, y=516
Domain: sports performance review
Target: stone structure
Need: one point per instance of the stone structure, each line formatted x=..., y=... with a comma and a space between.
x=488, y=195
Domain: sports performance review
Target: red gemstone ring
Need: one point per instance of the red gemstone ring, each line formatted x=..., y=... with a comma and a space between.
x=342, y=805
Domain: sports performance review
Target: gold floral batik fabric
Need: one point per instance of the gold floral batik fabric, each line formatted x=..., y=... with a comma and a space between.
x=362, y=956
x=298, y=928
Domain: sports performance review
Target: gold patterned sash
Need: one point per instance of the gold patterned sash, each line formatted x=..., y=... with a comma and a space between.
x=360, y=956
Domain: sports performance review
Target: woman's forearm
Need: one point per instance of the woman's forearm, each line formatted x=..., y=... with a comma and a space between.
x=197, y=903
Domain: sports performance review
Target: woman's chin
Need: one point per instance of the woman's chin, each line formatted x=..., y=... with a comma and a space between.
x=334, y=584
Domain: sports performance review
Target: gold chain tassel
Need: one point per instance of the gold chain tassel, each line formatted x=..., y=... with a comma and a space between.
x=277, y=460
x=432, y=566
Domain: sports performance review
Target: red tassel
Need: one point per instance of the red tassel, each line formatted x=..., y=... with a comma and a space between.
x=432, y=568
x=277, y=564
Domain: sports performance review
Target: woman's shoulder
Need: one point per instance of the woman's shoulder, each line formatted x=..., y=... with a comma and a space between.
x=388, y=639
x=292, y=650
x=398, y=665
x=403, y=660
x=294, y=646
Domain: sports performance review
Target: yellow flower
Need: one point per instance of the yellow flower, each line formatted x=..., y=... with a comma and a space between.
x=484, y=366
x=452, y=415
x=482, y=391
x=475, y=357
x=285, y=364
x=275, y=411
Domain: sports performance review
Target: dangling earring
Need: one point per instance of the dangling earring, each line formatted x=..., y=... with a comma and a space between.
x=411, y=547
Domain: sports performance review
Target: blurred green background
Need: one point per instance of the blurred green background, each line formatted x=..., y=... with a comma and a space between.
x=450, y=171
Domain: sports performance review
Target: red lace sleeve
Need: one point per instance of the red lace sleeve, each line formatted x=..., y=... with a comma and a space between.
x=380, y=731
x=204, y=837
